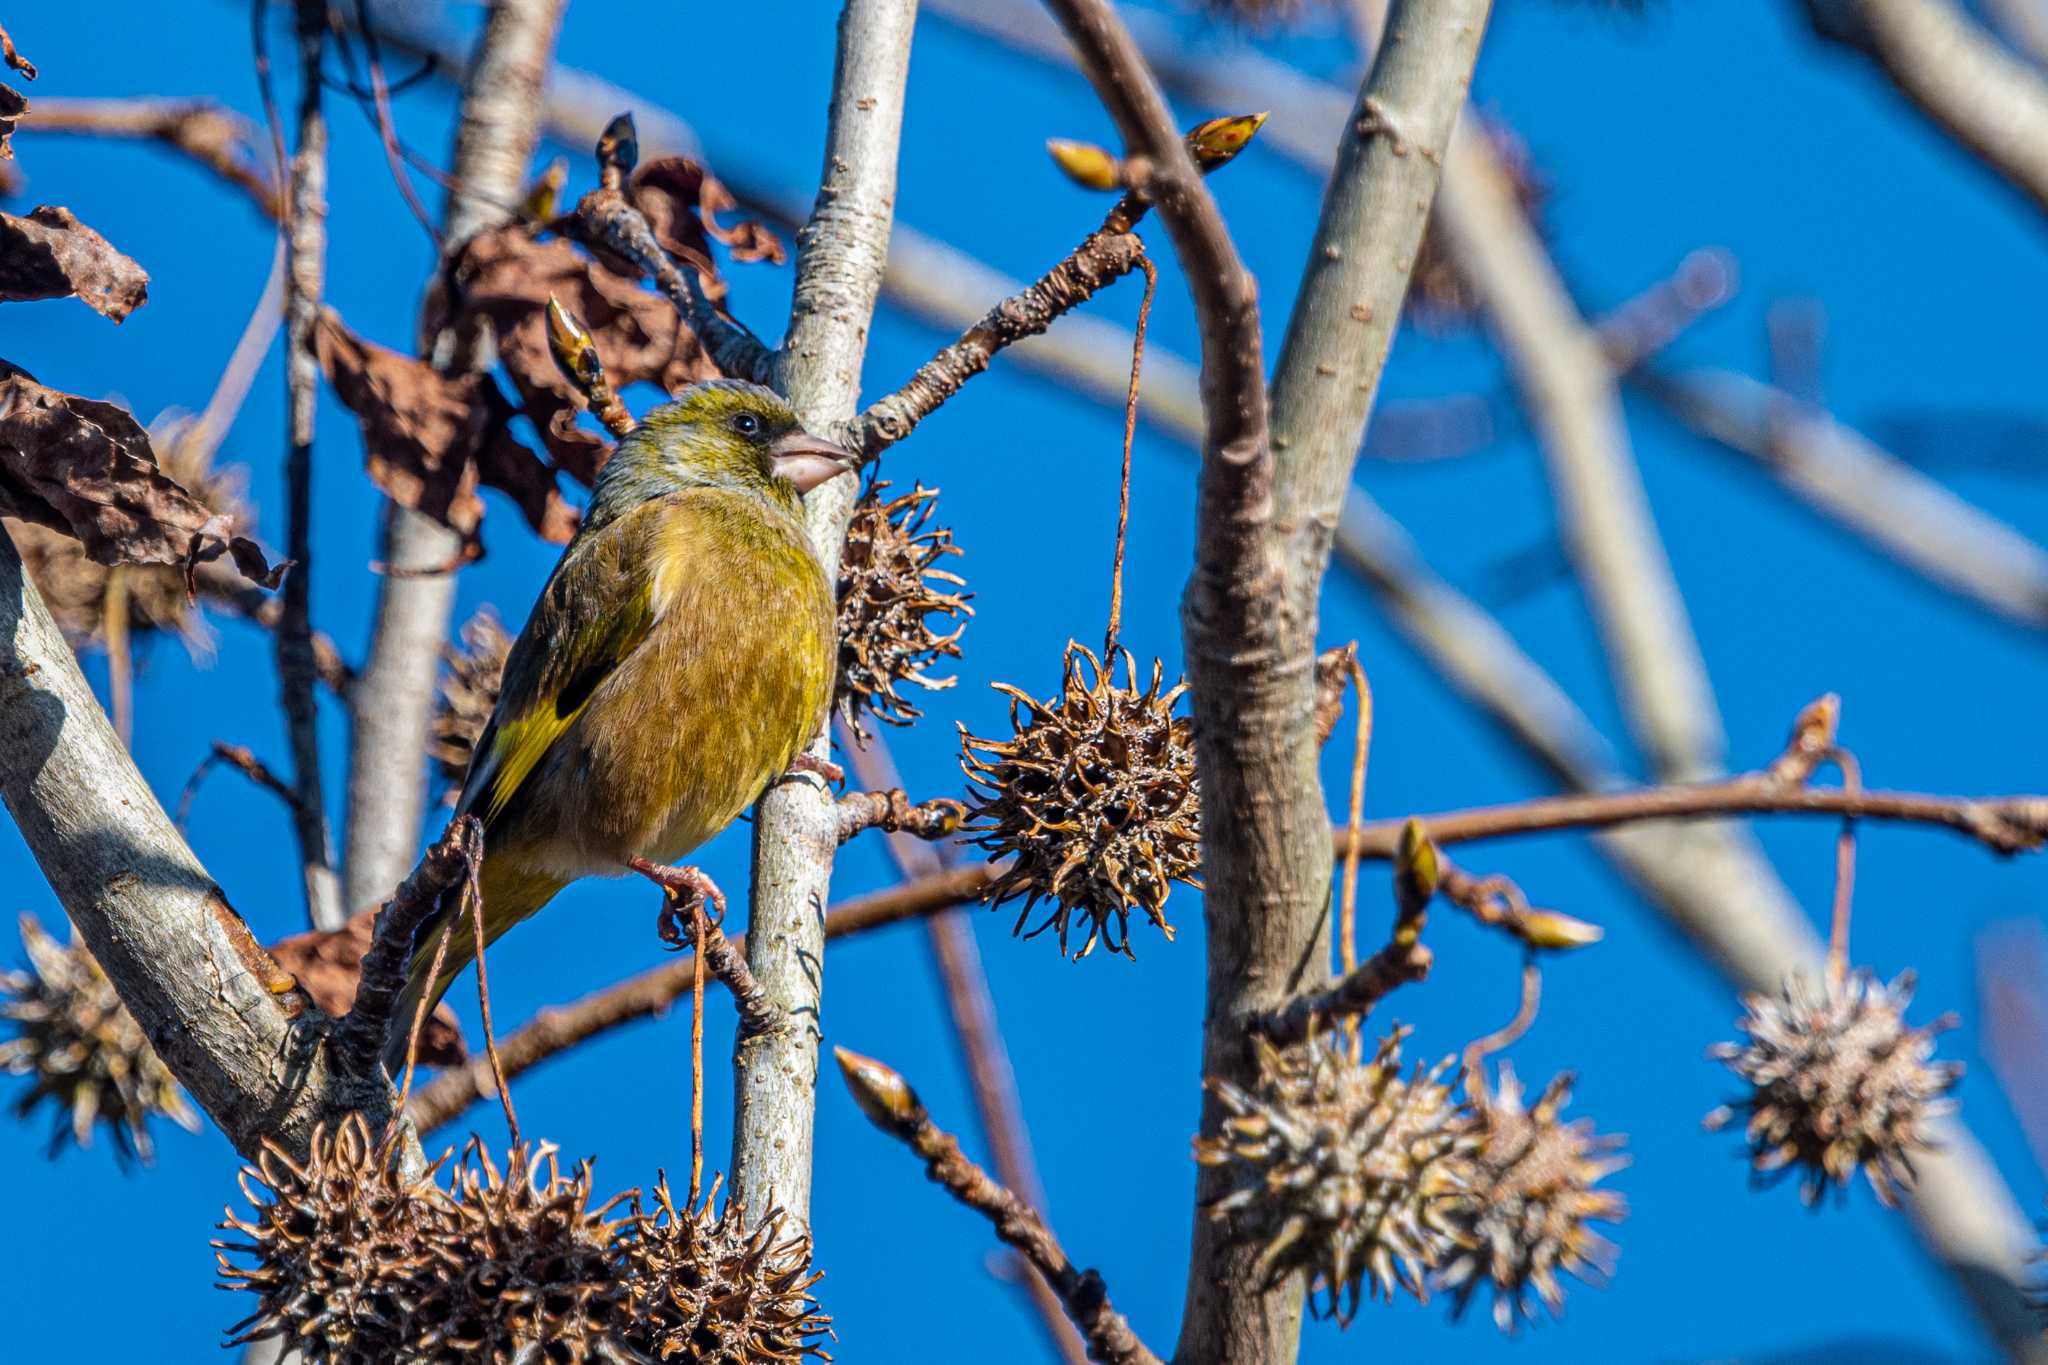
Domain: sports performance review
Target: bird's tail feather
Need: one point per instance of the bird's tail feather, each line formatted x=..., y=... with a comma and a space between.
x=510, y=894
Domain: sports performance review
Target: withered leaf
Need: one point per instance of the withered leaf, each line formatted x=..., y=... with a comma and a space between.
x=87, y=468
x=50, y=254
x=13, y=104
x=329, y=966
x=682, y=201
x=505, y=275
x=430, y=439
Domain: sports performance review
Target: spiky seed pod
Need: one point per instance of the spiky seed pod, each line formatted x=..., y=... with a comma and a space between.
x=703, y=1289
x=889, y=589
x=1345, y=1169
x=469, y=693
x=88, y=1056
x=525, y=1272
x=345, y=1249
x=1439, y=298
x=1536, y=1198
x=155, y=595
x=1838, y=1082
x=1095, y=795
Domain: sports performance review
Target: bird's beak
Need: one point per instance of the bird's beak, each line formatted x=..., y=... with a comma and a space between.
x=806, y=461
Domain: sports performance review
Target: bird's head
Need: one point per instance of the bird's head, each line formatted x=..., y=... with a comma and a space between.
x=723, y=433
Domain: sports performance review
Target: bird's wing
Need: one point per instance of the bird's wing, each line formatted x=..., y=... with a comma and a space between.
x=597, y=608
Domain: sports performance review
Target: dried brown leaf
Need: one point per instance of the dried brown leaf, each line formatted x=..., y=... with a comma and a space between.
x=430, y=438
x=50, y=254
x=682, y=201
x=505, y=276
x=87, y=468
x=13, y=104
x=329, y=965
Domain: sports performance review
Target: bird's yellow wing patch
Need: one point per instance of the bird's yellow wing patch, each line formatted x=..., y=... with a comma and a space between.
x=595, y=611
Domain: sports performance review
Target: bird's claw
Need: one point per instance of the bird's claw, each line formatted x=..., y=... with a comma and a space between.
x=684, y=889
x=808, y=762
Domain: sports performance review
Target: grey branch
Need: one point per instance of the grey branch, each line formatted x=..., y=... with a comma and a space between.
x=297, y=674
x=498, y=128
x=1991, y=102
x=1850, y=480
x=229, y=1023
x=892, y=1106
x=841, y=252
x=1569, y=390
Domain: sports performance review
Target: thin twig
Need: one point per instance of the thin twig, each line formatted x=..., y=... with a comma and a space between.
x=208, y=132
x=473, y=905
x=1353, y=994
x=243, y=761
x=891, y=1105
x=297, y=674
x=359, y=1039
x=697, y=1057
x=972, y=1008
x=1123, y=497
x=606, y=220
x=893, y=812
x=1845, y=872
x=1347, y=923
x=387, y=134
x=1479, y=1049
x=1102, y=258
x=557, y=1029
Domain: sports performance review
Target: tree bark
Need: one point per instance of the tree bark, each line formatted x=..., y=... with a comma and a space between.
x=841, y=253
x=394, y=699
x=224, y=1018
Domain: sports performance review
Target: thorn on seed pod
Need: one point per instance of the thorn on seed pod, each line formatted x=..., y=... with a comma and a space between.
x=1216, y=142
x=1087, y=165
x=882, y=1094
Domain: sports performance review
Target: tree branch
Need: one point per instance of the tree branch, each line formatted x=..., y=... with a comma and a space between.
x=973, y=1011
x=893, y=812
x=1988, y=100
x=559, y=1028
x=498, y=128
x=892, y=1106
x=208, y=132
x=226, y=1020
x=841, y=252
x=297, y=674
x=1868, y=491
x=1267, y=508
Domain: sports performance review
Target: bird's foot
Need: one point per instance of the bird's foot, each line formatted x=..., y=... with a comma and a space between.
x=686, y=890
x=808, y=762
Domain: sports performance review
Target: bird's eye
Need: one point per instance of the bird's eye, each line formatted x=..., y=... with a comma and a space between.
x=746, y=424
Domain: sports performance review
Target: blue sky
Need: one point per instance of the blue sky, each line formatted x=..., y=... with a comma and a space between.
x=1698, y=125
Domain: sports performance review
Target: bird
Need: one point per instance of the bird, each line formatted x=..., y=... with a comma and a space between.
x=678, y=661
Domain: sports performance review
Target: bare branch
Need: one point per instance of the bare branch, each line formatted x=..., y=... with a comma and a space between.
x=893, y=812
x=359, y=1041
x=1354, y=993
x=841, y=252
x=560, y=1028
x=494, y=141
x=1843, y=476
x=973, y=1010
x=893, y=1107
x=225, y=1019
x=1988, y=100
x=208, y=132
x=297, y=675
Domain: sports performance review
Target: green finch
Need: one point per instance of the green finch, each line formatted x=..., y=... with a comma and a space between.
x=678, y=661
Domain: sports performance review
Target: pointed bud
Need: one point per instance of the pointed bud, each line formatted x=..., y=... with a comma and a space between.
x=1549, y=929
x=1087, y=165
x=618, y=150
x=574, y=351
x=544, y=196
x=1416, y=872
x=1216, y=142
x=883, y=1095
